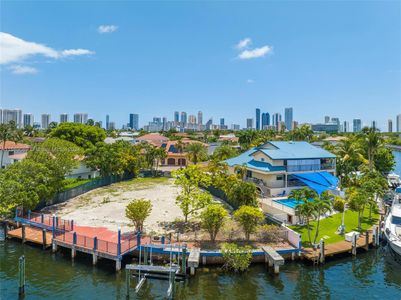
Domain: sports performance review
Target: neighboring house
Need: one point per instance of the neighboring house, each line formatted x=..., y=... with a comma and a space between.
x=11, y=151
x=276, y=166
x=175, y=157
x=152, y=138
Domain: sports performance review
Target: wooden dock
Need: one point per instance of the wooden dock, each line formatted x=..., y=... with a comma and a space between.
x=33, y=235
x=274, y=259
x=338, y=248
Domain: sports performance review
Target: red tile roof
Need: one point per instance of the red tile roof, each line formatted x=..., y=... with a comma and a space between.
x=13, y=146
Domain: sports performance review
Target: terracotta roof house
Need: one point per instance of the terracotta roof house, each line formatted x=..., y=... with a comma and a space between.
x=175, y=156
x=152, y=138
x=9, y=149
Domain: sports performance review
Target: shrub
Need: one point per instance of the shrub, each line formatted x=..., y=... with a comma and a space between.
x=212, y=219
x=137, y=211
x=249, y=217
x=236, y=258
x=339, y=204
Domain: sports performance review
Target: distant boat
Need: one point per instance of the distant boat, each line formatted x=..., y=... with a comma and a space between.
x=392, y=225
x=393, y=180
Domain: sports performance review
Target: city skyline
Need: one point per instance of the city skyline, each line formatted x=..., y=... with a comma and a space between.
x=326, y=69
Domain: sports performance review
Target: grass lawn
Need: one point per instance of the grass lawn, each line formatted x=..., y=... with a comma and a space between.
x=70, y=183
x=328, y=226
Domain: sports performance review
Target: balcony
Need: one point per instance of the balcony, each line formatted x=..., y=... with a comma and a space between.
x=311, y=167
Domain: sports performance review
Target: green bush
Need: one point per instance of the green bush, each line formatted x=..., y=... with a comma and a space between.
x=137, y=211
x=235, y=257
x=212, y=219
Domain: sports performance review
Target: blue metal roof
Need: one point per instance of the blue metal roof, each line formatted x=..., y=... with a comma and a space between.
x=295, y=150
x=264, y=166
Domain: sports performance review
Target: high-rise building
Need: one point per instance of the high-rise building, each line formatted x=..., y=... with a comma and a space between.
x=276, y=119
x=80, y=118
x=257, y=119
x=288, y=118
x=265, y=120
x=294, y=125
x=390, y=125
x=176, y=117
x=249, y=123
x=209, y=124
x=107, y=122
x=357, y=125
x=164, y=123
x=63, y=118
x=200, y=118
x=14, y=115
x=373, y=124
x=183, y=118
x=336, y=121
x=192, y=119
x=28, y=120
x=398, y=123
x=345, y=126
x=326, y=119
x=235, y=127
x=45, y=121
x=221, y=121
x=133, y=121
x=112, y=126
x=1, y=116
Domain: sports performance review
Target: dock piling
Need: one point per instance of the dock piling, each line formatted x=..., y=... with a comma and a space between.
x=367, y=241
x=44, y=238
x=118, y=264
x=23, y=233
x=321, y=256
x=354, y=239
x=21, y=271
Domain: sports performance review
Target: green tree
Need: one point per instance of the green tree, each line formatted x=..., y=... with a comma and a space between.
x=90, y=122
x=212, y=219
x=191, y=198
x=372, y=142
x=196, y=152
x=82, y=135
x=12, y=195
x=249, y=217
x=8, y=132
x=358, y=198
x=235, y=257
x=224, y=152
x=242, y=193
x=137, y=211
x=322, y=204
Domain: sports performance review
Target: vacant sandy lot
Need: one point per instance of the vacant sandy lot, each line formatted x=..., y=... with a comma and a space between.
x=105, y=206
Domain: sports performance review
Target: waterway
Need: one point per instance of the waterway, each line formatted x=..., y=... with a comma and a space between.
x=371, y=275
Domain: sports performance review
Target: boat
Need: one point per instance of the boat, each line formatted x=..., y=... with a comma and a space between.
x=393, y=180
x=392, y=226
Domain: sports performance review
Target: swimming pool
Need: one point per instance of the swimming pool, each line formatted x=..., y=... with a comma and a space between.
x=291, y=203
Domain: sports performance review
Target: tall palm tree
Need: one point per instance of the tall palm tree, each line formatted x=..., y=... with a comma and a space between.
x=8, y=132
x=196, y=152
x=372, y=141
x=322, y=205
x=349, y=158
x=180, y=148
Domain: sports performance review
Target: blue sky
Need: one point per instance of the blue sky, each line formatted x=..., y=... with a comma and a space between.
x=339, y=58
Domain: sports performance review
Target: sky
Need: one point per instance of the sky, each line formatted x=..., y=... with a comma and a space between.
x=336, y=58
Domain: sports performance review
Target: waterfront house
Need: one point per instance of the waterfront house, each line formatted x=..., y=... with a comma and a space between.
x=11, y=152
x=277, y=167
x=177, y=156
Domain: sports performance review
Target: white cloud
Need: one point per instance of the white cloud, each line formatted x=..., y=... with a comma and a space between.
x=18, y=69
x=14, y=50
x=255, y=53
x=250, y=81
x=243, y=43
x=76, y=52
x=107, y=28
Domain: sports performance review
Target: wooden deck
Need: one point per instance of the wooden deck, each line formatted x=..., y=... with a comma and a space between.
x=336, y=248
x=32, y=234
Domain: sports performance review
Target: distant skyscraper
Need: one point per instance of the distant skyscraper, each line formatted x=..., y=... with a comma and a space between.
x=357, y=125
x=398, y=123
x=257, y=119
x=134, y=121
x=45, y=121
x=374, y=125
x=390, y=125
x=183, y=118
x=107, y=122
x=63, y=118
x=192, y=119
x=326, y=119
x=221, y=121
x=235, y=127
x=164, y=123
x=209, y=124
x=176, y=117
x=28, y=120
x=112, y=126
x=14, y=115
x=200, y=118
x=249, y=123
x=288, y=118
x=81, y=118
x=276, y=119
x=265, y=120
x=345, y=126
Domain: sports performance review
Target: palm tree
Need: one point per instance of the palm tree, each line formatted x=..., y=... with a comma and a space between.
x=180, y=148
x=372, y=141
x=224, y=152
x=241, y=171
x=196, y=152
x=8, y=132
x=322, y=205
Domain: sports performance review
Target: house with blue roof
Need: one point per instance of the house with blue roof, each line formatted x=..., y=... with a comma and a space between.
x=277, y=167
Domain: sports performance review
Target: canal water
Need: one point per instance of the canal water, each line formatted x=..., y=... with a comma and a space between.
x=372, y=275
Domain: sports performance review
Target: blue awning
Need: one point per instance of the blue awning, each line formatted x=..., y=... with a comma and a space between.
x=318, y=181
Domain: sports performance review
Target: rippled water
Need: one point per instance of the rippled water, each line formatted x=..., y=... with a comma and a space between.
x=372, y=275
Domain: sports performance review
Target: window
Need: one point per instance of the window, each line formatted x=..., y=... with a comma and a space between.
x=279, y=177
x=248, y=174
x=262, y=159
x=10, y=152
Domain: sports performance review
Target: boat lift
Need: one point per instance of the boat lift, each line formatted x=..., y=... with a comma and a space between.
x=149, y=271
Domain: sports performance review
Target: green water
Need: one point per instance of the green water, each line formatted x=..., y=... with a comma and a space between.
x=372, y=275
